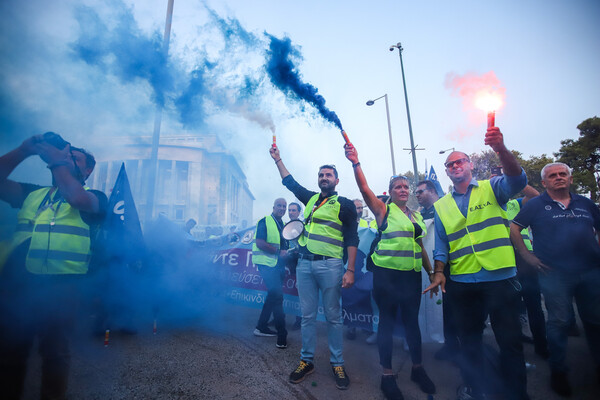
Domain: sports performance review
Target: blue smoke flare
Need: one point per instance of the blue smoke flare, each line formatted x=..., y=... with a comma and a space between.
x=286, y=77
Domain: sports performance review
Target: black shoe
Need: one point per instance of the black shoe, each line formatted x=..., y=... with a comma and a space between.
x=304, y=368
x=281, y=342
x=559, y=382
x=265, y=332
x=445, y=354
x=390, y=388
x=342, y=381
x=466, y=393
x=351, y=333
x=419, y=376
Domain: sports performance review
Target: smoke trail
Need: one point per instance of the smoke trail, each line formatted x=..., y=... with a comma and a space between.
x=124, y=50
x=470, y=85
x=286, y=77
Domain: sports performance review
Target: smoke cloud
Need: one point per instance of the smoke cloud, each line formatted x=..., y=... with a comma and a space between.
x=285, y=75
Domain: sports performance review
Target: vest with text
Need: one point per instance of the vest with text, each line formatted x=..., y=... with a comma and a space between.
x=323, y=233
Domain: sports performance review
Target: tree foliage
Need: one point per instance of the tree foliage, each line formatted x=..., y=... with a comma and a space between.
x=583, y=156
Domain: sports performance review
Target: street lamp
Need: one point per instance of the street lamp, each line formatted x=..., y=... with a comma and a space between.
x=387, y=111
x=443, y=151
x=412, y=143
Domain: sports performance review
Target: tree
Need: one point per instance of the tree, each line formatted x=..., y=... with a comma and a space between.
x=583, y=156
x=533, y=168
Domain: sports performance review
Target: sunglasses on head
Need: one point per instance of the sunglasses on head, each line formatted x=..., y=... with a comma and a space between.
x=398, y=177
x=458, y=162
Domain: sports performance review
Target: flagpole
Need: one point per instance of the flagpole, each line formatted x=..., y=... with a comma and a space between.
x=157, y=122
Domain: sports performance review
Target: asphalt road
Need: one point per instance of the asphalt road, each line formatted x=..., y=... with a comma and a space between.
x=221, y=359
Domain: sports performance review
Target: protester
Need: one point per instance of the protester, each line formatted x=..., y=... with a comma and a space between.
x=432, y=312
x=397, y=260
x=330, y=229
x=472, y=236
x=294, y=210
x=269, y=255
x=566, y=252
x=41, y=280
x=362, y=223
x=528, y=277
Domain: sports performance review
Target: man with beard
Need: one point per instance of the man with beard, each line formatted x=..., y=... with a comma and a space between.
x=330, y=228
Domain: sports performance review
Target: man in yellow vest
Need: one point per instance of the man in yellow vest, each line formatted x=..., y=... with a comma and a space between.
x=330, y=230
x=268, y=254
x=472, y=235
x=50, y=251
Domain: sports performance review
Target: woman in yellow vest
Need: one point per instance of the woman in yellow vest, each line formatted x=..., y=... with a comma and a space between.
x=398, y=259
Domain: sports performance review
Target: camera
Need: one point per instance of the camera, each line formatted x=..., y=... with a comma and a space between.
x=55, y=140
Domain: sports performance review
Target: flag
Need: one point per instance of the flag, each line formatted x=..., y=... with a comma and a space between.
x=433, y=178
x=122, y=231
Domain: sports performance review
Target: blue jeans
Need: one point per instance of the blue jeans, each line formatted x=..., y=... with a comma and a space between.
x=559, y=289
x=325, y=276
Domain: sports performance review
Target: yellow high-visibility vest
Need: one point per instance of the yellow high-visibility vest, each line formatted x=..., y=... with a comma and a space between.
x=323, y=233
x=481, y=240
x=273, y=238
x=398, y=248
x=512, y=209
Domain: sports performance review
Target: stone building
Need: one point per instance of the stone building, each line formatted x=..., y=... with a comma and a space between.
x=197, y=178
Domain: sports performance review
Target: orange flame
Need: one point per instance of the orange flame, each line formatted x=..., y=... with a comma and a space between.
x=487, y=100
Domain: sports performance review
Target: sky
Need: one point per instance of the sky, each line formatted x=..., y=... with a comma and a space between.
x=90, y=70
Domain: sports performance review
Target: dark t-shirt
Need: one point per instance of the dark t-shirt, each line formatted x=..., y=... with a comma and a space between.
x=563, y=238
x=261, y=233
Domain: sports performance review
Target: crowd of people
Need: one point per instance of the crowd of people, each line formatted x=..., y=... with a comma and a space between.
x=493, y=256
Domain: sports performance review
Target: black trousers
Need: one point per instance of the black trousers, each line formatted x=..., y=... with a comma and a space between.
x=393, y=290
x=472, y=303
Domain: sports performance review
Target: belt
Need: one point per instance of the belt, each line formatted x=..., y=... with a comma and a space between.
x=313, y=257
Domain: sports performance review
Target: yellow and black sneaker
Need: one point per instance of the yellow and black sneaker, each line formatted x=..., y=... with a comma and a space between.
x=305, y=368
x=342, y=381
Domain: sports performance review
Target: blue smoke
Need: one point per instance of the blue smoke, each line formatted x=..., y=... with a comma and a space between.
x=286, y=77
x=124, y=50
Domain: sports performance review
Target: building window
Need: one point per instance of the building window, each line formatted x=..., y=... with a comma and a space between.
x=179, y=213
x=163, y=185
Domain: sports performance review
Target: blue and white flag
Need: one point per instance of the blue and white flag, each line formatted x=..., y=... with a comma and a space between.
x=433, y=178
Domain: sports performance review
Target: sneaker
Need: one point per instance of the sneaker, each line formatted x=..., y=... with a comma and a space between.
x=351, y=333
x=465, y=393
x=281, y=342
x=419, y=376
x=372, y=339
x=304, y=368
x=390, y=388
x=265, y=332
x=559, y=382
x=342, y=381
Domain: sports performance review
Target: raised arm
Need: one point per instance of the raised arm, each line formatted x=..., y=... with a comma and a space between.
x=274, y=150
x=11, y=191
x=529, y=192
x=375, y=205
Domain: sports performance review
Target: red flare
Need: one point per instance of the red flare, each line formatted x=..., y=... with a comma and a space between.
x=345, y=137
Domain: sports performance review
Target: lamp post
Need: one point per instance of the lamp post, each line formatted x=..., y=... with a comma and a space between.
x=443, y=151
x=412, y=143
x=387, y=111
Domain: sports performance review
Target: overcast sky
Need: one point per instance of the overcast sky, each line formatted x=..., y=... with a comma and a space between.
x=87, y=70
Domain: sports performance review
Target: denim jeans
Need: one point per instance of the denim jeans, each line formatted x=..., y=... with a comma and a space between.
x=273, y=278
x=559, y=289
x=324, y=276
x=472, y=302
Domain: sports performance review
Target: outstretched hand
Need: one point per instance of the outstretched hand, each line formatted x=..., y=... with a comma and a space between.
x=438, y=280
x=351, y=153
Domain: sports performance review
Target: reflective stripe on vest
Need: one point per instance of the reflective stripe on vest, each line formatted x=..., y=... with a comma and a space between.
x=481, y=240
x=397, y=248
x=323, y=234
x=273, y=238
x=60, y=240
x=512, y=209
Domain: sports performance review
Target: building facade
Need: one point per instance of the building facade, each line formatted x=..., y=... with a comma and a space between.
x=196, y=178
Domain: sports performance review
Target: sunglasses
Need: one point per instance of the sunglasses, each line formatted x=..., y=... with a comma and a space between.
x=458, y=162
x=393, y=177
